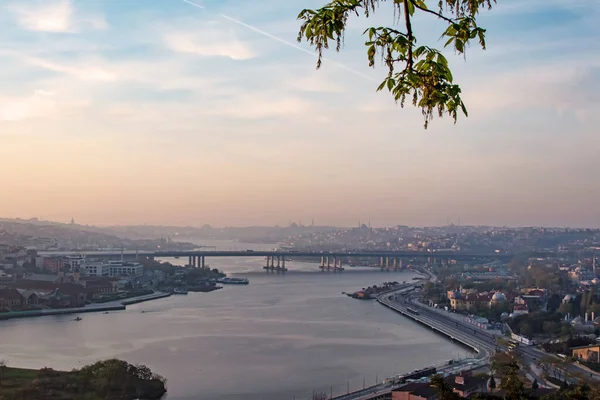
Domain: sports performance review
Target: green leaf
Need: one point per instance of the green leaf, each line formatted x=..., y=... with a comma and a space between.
x=427, y=79
x=390, y=84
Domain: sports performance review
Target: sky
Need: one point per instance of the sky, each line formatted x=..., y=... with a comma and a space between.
x=165, y=112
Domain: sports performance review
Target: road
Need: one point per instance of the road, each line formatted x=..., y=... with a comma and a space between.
x=398, y=301
x=531, y=355
x=485, y=343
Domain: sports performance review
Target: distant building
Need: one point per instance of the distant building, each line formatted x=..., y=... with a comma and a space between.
x=113, y=269
x=55, y=294
x=13, y=256
x=487, y=275
x=587, y=353
x=48, y=278
x=52, y=264
x=74, y=263
x=580, y=275
x=10, y=298
x=5, y=278
x=463, y=384
x=520, y=309
x=96, y=269
x=415, y=391
x=470, y=301
x=98, y=286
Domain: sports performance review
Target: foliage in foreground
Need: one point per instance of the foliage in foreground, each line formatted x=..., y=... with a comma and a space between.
x=419, y=73
x=106, y=380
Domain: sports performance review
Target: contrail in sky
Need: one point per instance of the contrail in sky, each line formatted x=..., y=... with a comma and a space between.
x=285, y=42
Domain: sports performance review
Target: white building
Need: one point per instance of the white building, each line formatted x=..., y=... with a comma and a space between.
x=96, y=269
x=114, y=269
x=123, y=268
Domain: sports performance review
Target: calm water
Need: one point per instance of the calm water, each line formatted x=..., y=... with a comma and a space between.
x=279, y=337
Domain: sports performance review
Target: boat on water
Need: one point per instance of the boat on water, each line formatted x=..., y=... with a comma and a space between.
x=78, y=319
x=234, y=281
x=204, y=288
x=180, y=291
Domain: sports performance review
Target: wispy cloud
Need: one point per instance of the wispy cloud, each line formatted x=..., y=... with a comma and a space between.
x=56, y=16
x=213, y=41
x=561, y=87
x=40, y=104
x=260, y=106
x=317, y=82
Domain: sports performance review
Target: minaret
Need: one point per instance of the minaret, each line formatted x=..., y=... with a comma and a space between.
x=594, y=264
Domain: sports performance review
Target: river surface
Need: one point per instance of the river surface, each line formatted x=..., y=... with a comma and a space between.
x=281, y=337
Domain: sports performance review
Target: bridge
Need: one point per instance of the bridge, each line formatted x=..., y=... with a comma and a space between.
x=275, y=259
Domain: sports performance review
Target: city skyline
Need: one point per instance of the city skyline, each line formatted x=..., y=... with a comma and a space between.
x=169, y=113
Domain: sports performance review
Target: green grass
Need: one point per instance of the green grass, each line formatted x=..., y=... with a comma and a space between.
x=15, y=378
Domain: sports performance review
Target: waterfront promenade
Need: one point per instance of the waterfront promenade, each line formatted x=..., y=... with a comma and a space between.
x=398, y=300
x=94, y=307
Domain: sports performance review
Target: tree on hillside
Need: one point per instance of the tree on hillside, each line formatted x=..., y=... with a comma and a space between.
x=2, y=368
x=415, y=72
x=512, y=382
x=444, y=391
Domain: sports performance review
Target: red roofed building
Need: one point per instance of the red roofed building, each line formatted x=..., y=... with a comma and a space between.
x=97, y=286
x=77, y=293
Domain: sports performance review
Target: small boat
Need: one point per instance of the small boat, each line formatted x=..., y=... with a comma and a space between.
x=78, y=319
x=234, y=281
x=180, y=291
x=105, y=312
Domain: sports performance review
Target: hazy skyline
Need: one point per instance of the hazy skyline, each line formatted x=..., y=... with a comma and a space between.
x=161, y=112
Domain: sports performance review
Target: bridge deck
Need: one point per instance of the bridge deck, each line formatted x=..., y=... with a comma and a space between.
x=288, y=254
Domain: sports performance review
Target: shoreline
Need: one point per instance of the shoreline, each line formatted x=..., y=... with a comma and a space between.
x=483, y=354
x=117, y=305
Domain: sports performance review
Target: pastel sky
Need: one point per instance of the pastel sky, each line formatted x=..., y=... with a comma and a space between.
x=162, y=112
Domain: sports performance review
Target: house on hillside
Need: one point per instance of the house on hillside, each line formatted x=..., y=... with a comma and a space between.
x=463, y=384
x=589, y=354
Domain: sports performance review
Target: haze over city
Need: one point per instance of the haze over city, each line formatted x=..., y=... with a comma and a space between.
x=162, y=112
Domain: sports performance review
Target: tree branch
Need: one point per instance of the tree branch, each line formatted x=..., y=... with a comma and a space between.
x=432, y=12
x=409, y=35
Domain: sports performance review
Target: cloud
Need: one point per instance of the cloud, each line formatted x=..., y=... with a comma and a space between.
x=85, y=71
x=563, y=87
x=39, y=104
x=57, y=16
x=44, y=93
x=317, y=82
x=261, y=106
x=212, y=41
